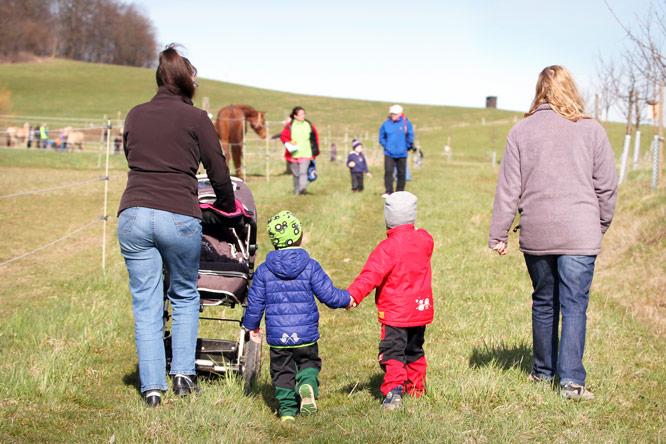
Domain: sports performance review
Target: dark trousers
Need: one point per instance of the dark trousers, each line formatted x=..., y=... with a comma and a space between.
x=389, y=164
x=402, y=358
x=357, y=181
x=290, y=369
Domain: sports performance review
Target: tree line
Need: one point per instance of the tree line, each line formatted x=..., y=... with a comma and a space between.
x=98, y=31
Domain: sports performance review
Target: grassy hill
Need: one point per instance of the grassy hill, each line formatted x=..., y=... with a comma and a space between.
x=64, y=88
x=69, y=371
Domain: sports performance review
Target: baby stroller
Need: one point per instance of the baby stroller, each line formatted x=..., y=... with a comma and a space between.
x=228, y=252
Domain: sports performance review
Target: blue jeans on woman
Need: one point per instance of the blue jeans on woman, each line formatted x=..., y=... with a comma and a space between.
x=561, y=285
x=150, y=239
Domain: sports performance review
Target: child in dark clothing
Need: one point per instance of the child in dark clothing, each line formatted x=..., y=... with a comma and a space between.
x=399, y=268
x=282, y=287
x=357, y=165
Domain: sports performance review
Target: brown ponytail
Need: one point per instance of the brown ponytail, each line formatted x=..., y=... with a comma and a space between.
x=175, y=72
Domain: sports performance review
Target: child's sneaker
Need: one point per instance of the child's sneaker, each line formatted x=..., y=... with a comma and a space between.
x=287, y=419
x=393, y=399
x=308, y=405
x=571, y=390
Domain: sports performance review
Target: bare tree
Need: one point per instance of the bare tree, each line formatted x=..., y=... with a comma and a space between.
x=606, y=86
x=101, y=31
x=648, y=38
x=25, y=26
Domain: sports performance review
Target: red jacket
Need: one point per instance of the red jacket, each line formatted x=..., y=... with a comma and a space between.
x=285, y=136
x=399, y=268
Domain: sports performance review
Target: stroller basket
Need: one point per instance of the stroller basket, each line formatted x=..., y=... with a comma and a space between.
x=228, y=246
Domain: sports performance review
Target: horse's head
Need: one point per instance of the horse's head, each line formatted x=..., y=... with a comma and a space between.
x=258, y=124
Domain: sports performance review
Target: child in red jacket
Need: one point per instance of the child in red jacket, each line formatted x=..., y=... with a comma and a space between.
x=399, y=268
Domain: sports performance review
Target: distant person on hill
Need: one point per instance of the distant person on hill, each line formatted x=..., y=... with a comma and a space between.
x=399, y=268
x=159, y=220
x=31, y=136
x=36, y=136
x=334, y=153
x=357, y=165
x=284, y=288
x=44, y=135
x=396, y=135
x=558, y=171
x=301, y=144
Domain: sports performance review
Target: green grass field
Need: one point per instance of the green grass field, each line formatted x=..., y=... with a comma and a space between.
x=69, y=372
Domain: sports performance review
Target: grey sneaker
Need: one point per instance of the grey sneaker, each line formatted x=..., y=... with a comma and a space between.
x=308, y=405
x=571, y=390
x=393, y=399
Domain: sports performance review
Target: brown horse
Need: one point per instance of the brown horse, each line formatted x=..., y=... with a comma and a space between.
x=229, y=127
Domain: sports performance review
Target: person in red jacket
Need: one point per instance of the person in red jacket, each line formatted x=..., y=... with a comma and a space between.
x=399, y=268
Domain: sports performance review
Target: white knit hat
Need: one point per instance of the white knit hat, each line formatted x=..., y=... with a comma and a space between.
x=395, y=109
x=400, y=209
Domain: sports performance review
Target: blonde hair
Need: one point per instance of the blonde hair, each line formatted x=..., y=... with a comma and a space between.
x=557, y=88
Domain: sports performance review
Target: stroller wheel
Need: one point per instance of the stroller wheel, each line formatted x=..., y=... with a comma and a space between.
x=252, y=365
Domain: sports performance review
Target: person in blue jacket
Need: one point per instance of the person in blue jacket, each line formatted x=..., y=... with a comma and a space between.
x=357, y=165
x=283, y=288
x=396, y=135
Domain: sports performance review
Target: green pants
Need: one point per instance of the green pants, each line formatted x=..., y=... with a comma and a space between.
x=291, y=368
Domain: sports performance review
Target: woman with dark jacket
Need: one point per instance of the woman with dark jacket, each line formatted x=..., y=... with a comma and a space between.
x=558, y=171
x=160, y=220
x=301, y=143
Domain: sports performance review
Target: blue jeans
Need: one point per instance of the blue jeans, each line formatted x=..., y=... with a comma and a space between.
x=148, y=240
x=561, y=285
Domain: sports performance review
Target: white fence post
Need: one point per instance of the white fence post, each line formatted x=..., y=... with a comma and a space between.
x=106, y=191
x=625, y=158
x=268, y=143
x=637, y=149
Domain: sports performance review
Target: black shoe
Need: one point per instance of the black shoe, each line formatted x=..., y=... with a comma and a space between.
x=184, y=385
x=153, y=399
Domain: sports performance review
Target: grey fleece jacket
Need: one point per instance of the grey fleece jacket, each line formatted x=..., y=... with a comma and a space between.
x=560, y=176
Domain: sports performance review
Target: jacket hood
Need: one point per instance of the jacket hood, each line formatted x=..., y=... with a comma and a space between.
x=287, y=263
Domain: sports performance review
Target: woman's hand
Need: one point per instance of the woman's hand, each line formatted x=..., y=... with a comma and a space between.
x=369, y=174
x=501, y=248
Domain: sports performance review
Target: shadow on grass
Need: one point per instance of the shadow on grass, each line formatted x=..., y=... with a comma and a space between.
x=267, y=393
x=502, y=356
x=373, y=385
x=132, y=379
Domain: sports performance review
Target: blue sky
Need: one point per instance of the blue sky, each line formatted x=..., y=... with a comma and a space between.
x=431, y=52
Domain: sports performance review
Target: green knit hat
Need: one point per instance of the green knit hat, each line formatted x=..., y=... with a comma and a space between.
x=284, y=229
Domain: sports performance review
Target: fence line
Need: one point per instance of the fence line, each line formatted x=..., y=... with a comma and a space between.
x=62, y=186
x=87, y=128
x=54, y=242
x=57, y=119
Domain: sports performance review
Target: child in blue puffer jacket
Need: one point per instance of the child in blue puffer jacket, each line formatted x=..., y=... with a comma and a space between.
x=283, y=288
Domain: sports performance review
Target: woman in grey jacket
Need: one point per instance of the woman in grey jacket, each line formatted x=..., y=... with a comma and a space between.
x=558, y=172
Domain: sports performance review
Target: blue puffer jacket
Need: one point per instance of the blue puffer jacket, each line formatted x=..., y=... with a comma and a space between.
x=396, y=137
x=283, y=287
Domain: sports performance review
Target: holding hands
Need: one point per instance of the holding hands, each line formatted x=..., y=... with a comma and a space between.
x=352, y=303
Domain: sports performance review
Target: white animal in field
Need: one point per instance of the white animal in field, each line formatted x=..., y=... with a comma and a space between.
x=17, y=134
x=23, y=133
x=11, y=135
x=74, y=138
